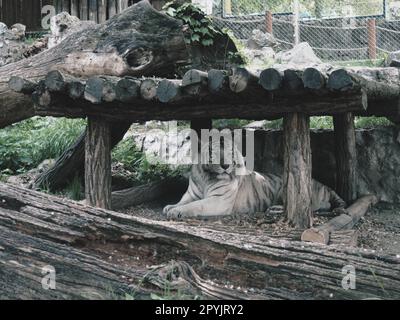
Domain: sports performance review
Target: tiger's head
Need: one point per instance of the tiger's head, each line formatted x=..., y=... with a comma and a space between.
x=222, y=160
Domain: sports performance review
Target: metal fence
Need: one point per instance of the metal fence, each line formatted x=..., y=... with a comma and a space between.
x=343, y=30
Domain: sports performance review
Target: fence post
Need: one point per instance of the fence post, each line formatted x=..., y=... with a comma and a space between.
x=296, y=22
x=371, y=26
x=268, y=21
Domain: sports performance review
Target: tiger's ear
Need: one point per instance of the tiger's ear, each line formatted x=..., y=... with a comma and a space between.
x=240, y=170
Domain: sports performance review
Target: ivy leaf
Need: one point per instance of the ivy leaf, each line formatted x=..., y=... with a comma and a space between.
x=195, y=37
x=207, y=42
x=171, y=12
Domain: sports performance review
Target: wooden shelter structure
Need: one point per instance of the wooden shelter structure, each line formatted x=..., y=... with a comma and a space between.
x=106, y=73
x=294, y=95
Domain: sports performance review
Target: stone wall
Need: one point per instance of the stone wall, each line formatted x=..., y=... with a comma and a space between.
x=378, y=159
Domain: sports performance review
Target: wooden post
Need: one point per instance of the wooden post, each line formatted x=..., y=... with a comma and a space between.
x=297, y=180
x=371, y=26
x=227, y=11
x=98, y=163
x=296, y=22
x=346, y=156
x=268, y=22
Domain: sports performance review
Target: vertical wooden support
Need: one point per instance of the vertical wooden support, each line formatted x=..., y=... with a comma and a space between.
x=268, y=22
x=98, y=163
x=297, y=182
x=227, y=11
x=197, y=125
x=296, y=22
x=371, y=26
x=346, y=156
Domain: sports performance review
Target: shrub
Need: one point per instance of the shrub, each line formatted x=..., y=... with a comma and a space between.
x=25, y=145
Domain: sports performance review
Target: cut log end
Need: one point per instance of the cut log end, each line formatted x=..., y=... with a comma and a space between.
x=271, y=79
x=21, y=85
x=217, y=80
x=313, y=79
x=340, y=80
x=315, y=236
x=169, y=90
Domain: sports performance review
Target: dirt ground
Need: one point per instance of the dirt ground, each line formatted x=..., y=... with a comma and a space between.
x=379, y=229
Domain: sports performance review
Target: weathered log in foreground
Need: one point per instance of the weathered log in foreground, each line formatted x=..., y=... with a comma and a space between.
x=38, y=230
x=134, y=42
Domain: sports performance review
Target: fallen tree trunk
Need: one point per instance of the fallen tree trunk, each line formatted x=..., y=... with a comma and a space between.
x=26, y=260
x=273, y=268
x=71, y=163
x=148, y=192
x=355, y=212
x=130, y=43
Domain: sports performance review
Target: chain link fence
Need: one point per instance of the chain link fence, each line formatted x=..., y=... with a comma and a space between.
x=337, y=30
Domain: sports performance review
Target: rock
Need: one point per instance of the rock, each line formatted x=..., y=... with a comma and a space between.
x=256, y=125
x=63, y=24
x=18, y=31
x=378, y=160
x=259, y=59
x=261, y=40
x=301, y=54
x=3, y=28
x=12, y=44
x=393, y=59
x=27, y=178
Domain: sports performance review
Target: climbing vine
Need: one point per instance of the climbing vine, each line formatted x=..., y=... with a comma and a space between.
x=201, y=30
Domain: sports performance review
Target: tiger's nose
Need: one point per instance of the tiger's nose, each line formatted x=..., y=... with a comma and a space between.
x=225, y=166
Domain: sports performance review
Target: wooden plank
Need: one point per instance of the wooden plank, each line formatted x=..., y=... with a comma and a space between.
x=345, y=221
x=346, y=156
x=98, y=163
x=297, y=182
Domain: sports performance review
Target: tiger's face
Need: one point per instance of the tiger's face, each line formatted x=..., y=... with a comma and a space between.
x=222, y=161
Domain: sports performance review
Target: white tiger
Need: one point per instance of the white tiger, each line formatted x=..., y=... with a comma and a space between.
x=229, y=188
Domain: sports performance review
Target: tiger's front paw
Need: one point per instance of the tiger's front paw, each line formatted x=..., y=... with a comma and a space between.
x=177, y=213
x=168, y=208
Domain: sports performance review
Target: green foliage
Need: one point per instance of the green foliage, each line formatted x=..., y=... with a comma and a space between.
x=201, y=30
x=25, y=145
x=138, y=163
x=372, y=122
x=327, y=123
x=230, y=123
x=74, y=190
